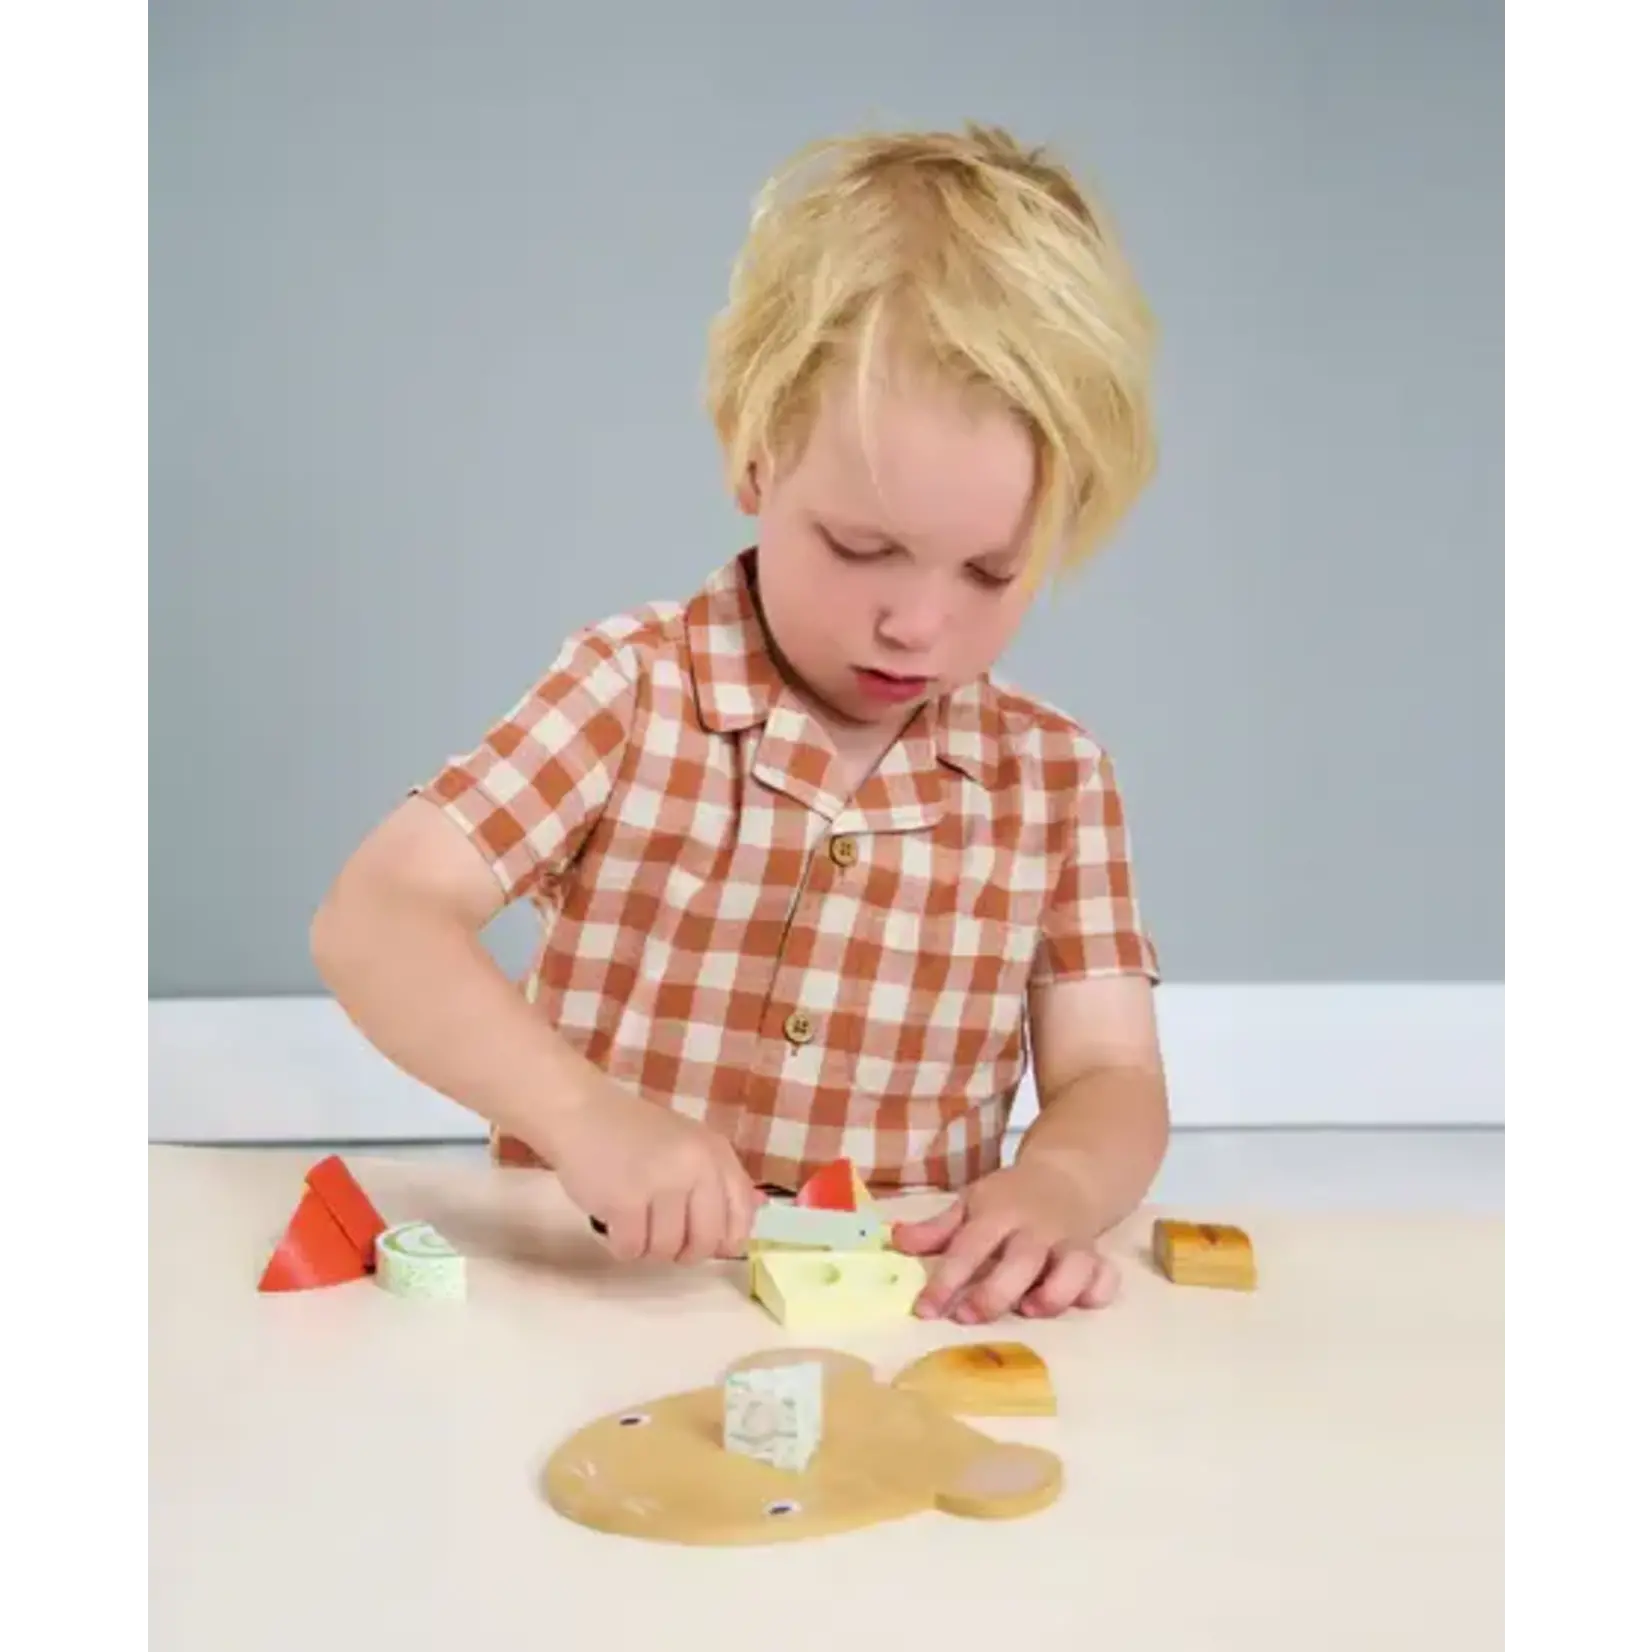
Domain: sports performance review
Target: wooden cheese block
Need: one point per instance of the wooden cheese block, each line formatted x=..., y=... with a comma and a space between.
x=1204, y=1253
x=983, y=1379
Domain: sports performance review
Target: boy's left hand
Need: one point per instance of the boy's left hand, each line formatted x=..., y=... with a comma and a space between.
x=1012, y=1242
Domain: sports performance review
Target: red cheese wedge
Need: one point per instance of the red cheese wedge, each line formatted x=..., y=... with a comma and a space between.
x=832, y=1187
x=348, y=1205
x=314, y=1251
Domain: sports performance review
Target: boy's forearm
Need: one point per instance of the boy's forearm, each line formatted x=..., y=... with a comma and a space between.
x=1106, y=1132
x=425, y=992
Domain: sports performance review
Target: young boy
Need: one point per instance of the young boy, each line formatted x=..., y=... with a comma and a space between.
x=808, y=876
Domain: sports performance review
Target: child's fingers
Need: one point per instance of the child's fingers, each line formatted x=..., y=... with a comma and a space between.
x=1077, y=1276
x=667, y=1226
x=1025, y=1258
x=930, y=1235
x=740, y=1204
x=972, y=1245
x=626, y=1231
x=1105, y=1287
x=707, y=1220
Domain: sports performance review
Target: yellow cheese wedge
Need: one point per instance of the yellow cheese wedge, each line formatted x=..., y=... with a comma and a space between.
x=983, y=1379
x=836, y=1290
x=1204, y=1253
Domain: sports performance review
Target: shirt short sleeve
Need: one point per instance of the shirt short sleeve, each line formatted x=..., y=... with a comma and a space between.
x=1093, y=925
x=528, y=793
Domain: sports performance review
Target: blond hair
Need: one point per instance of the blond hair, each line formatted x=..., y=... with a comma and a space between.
x=973, y=257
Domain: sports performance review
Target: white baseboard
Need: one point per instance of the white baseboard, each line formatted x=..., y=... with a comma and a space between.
x=1350, y=1056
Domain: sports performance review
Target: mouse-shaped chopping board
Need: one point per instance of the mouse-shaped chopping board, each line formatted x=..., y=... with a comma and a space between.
x=660, y=1470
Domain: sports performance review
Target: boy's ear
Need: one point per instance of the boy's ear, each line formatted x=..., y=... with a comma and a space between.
x=746, y=495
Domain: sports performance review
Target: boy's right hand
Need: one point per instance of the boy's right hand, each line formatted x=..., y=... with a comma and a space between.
x=667, y=1188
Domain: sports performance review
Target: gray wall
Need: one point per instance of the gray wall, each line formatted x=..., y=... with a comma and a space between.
x=430, y=285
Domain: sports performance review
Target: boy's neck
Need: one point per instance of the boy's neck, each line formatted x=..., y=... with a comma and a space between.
x=859, y=753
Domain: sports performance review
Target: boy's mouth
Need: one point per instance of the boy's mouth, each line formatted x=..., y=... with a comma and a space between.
x=885, y=685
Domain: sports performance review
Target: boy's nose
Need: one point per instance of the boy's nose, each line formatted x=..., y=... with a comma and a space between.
x=911, y=628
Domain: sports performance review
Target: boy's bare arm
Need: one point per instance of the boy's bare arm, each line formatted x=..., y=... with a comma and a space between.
x=398, y=942
x=1103, y=1118
x=1023, y=1237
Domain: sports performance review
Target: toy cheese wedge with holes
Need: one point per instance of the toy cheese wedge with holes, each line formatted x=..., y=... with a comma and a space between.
x=782, y=1227
x=814, y=1291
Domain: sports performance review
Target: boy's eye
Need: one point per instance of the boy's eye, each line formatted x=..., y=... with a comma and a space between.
x=980, y=576
x=851, y=555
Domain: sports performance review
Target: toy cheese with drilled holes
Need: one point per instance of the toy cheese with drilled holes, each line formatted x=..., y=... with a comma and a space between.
x=773, y=1412
x=659, y=1470
x=1204, y=1253
x=784, y=1227
x=983, y=1379
x=414, y=1260
x=845, y=1290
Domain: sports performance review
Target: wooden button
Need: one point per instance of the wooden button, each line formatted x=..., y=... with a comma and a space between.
x=800, y=1028
x=845, y=851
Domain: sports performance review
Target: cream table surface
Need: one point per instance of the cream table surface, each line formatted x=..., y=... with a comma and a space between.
x=1317, y=1465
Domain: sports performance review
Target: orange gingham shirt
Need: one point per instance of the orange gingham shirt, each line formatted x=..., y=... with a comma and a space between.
x=814, y=975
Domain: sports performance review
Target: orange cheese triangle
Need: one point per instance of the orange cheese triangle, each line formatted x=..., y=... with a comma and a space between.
x=314, y=1251
x=833, y=1187
x=348, y=1205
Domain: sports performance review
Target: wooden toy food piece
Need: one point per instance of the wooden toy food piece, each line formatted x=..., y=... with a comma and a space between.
x=792, y=1225
x=348, y=1205
x=834, y=1187
x=659, y=1470
x=815, y=1291
x=773, y=1412
x=313, y=1252
x=414, y=1260
x=983, y=1379
x=824, y=1233
x=1204, y=1253
x=331, y=1236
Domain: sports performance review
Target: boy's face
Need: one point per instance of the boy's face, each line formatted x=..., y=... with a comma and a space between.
x=890, y=559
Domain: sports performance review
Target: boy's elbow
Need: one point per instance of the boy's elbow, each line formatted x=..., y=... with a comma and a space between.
x=412, y=878
x=340, y=926
x=327, y=926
